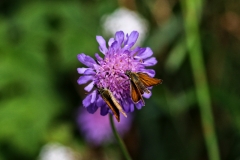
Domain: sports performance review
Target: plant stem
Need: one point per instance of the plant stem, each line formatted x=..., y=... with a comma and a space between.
x=120, y=141
x=192, y=10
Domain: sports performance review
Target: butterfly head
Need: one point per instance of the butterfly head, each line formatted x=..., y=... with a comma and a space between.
x=128, y=72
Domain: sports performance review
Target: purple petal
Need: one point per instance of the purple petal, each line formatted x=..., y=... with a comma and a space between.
x=147, y=95
x=84, y=79
x=150, y=87
x=104, y=110
x=114, y=46
x=81, y=70
x=111, y=40
x=92, y=108
x=143, y=55
x=136, y=50
x=139, y=105
x=87, y=100
x=99, y=59
x=90, y=71
x=94, y=94
x=150, y=61
x=128, y=46
x=96, y=67
x=86, y=60
x=100, y=102
x=131, y=40
x=131, y=107
x=102, y=44
x=119, y=37
x=150, y=72
x=86, y=71
x=110, y=52
x=126, y=106
x=89, y=87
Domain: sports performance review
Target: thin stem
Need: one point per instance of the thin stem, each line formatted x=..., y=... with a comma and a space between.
x=121, y=144
x=191, y=9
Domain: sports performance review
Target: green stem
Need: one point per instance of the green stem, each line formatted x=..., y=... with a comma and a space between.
x=121, y=144
x=192, y=9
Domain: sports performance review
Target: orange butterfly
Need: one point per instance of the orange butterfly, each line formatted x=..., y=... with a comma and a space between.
x=139, y=83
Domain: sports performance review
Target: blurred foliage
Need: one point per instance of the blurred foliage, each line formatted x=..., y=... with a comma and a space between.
x=39, y=96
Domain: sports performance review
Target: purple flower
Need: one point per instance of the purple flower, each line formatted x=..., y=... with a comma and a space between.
x=109, y=71
x=96, y=129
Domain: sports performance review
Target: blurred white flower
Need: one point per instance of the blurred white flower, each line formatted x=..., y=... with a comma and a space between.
x=56, y=151
x=127, y=21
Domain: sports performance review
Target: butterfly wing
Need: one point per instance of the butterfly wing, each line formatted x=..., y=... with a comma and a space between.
x=147, y=80
x=136, y=81
x=119, y=107
x=108, y=99
x=135, y=93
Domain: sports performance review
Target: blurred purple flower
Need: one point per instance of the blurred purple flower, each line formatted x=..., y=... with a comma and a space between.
x=109, y=72
x=96, y=129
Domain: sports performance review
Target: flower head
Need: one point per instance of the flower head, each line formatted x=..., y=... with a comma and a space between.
x=97, y=129
x=109, y=71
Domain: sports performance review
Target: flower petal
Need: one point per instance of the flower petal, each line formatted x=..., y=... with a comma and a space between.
x=94, y=95
x=128, y=46
x=81, y=70
x=92, y=108
x=119, y=37
x=111, y=40
x=125, y=105
x=139, y=105
x=142, y=55
x=84, y=79
x=102, y=44
x=150, y=61
x=114, y=46
x=99, y=59
x=86, y=71
x=96, y=67
x=131, y=107
x=100, y=102
x=90, y=86
x=87, y=100
x=150, y=72
x=147, y=95
x=90, y=71
x=136, y=50
x=131, y=40
x=104, y=110
x=86, y=60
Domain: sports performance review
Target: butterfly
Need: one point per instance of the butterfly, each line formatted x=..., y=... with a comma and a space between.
x=139, y=83
x=112, y=102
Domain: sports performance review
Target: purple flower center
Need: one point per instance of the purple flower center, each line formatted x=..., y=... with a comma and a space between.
x=111, y=73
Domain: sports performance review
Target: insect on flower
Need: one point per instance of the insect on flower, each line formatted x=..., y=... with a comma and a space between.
x=139, y=83
x=111, y=101
x=108, y=72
